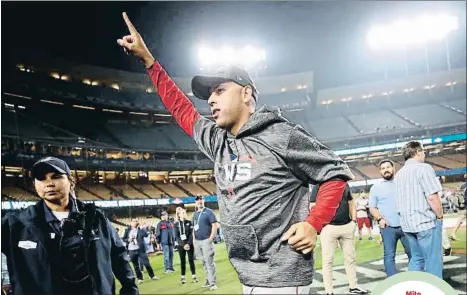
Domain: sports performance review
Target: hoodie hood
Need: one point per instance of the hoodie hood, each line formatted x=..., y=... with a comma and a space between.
x=258, y=121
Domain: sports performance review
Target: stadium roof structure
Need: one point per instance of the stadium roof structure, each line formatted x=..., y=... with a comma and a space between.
x=384, y=88
x=302, y=81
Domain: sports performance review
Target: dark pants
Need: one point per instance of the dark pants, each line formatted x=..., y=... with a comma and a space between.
x=84, y=287
x=390, y=237
x=182, y=252
x=137, y=258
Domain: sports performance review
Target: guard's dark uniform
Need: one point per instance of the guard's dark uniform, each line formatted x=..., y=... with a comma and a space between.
x=78, y=255
x=85, y=263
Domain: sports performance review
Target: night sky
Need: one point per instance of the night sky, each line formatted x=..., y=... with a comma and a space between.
x=327, y=37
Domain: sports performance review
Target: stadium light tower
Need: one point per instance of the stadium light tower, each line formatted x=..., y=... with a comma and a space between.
x=247, y=57
x=403, y=34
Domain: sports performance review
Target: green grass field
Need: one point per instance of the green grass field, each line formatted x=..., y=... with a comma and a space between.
x=228, y=282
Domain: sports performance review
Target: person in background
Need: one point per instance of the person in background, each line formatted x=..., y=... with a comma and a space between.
x=184, y=236
x=149, y=244
x=204, y=230
x=5, y=278
x=152, y=238
x=362, y=217
x=420, y=210
x=61, y=245
x=134, y=237
x=340, y=232
x=447, y=249
x=166, y=240
x=462, y=218
x=384, y=210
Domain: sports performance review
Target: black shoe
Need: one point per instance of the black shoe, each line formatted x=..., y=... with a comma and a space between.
x=358, y=290
x=447, y=252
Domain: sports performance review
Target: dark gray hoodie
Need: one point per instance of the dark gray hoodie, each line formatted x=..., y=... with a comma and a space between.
x=262, y=177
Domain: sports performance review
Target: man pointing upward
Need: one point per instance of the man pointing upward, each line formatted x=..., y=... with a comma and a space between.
x=262, y=165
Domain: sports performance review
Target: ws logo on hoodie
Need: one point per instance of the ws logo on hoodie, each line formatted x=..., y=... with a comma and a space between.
x=237, y=169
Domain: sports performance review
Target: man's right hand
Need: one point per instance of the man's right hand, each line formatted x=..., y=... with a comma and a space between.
x=383, y=223
x=134, y=44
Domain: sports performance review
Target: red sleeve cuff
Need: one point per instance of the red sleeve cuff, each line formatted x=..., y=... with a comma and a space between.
x=154, y=67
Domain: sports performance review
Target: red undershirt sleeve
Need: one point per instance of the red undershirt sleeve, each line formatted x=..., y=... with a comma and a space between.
x=203, y=131
x=173, y=98
x=329, y=197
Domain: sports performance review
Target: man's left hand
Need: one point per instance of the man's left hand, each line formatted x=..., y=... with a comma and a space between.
x=301, y=236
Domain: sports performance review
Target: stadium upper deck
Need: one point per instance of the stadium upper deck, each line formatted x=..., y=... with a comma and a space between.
x=122, y=144
x=135, y=119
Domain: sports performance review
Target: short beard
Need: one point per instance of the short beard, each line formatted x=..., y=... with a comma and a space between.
x=388, y=177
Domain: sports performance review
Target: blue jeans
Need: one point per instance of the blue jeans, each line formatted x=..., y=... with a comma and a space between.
x=390, y=237
x=427, y=250
x=168, y=251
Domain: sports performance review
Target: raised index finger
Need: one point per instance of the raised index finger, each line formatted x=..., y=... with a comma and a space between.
x=130, y=26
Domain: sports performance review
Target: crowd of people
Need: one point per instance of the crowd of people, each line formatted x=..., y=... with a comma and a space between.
x=406, y=207
x=264, y=164
x=192, y=239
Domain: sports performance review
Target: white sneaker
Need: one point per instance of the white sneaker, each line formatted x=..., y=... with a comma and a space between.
x=155, y=278
x=140, y=281
x=213, y=287
x=206, y=285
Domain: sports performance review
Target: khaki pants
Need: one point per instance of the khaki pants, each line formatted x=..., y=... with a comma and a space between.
x=445, y=240
x=205, y=252
x=344, y=234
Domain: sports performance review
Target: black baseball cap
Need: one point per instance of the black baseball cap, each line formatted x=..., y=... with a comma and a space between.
x=199, y=198
x=202, y=85
x=49, y=164
x=164, y=213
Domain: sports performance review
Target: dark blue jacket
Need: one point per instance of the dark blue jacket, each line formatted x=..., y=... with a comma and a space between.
x=165, y=234
x=29, y=266
x=142, y=233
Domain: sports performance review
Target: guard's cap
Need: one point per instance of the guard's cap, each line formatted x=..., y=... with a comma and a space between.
x=49, y=164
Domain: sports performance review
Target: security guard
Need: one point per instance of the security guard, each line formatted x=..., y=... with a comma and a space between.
x=61, y=245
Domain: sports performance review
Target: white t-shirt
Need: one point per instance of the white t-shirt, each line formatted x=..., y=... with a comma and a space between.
x=61, y=215
x=132, y=243
x=362, y=205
